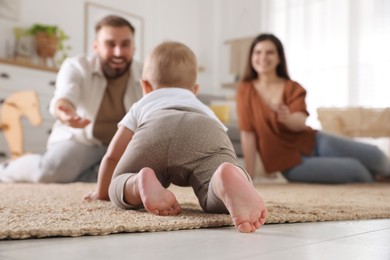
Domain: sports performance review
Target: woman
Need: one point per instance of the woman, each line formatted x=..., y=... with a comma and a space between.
x=272, y=114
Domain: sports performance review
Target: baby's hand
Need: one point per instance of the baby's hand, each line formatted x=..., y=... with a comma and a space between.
x=92, y=195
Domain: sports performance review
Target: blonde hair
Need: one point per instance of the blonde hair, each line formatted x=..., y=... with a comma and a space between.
x=171, y=64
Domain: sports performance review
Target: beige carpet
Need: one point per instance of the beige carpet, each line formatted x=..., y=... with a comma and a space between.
x=45, y=210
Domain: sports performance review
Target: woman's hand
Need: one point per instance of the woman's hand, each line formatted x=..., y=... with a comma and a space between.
x=295, y=121
x=283, y=113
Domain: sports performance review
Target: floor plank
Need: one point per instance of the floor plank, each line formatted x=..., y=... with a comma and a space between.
x=364, y=239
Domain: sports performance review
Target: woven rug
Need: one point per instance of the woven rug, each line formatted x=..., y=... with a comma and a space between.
x=47, y=210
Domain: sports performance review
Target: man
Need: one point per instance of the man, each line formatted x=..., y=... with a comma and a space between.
x=92, y=95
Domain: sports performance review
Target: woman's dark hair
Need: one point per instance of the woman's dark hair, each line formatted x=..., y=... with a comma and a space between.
x=281, y=69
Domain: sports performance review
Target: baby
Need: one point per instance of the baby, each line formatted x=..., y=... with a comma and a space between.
x=169, y=136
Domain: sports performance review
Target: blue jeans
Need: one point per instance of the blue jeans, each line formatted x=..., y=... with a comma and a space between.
x=337, y=159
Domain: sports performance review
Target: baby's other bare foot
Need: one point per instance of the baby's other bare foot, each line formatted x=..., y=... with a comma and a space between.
x=244, y=203
x=155, y=198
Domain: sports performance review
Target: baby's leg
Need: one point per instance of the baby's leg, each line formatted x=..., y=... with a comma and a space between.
x=144, y=188
x=246, y=207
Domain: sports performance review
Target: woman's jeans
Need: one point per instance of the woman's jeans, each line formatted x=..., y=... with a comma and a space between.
x=337, y=159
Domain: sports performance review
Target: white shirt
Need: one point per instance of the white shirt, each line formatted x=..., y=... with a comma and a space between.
x=81, y=81
x=161, y=99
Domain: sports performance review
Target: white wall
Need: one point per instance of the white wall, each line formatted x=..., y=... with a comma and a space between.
x=162, y=21
x=204, y=25
x=181, y=20
x=236, y=19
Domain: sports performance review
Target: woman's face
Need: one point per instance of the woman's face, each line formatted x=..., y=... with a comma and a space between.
x=265, y=57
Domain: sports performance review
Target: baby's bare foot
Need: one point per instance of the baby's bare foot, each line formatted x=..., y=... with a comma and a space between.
x=155, y=198
x=244, y=203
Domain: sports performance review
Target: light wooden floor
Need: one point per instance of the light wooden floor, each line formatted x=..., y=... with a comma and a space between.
x=366, y=240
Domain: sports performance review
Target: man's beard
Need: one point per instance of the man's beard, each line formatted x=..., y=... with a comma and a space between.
x=113, y=73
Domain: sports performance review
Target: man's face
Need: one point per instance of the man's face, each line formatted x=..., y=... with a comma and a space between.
x=115, y=48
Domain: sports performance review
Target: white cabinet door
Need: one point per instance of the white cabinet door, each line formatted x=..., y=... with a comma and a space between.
x=16, y=78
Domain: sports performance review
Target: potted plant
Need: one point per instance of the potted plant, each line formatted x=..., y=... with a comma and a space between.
x=49, y=40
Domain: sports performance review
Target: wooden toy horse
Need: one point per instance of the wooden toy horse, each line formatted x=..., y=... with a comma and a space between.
x=18, y=104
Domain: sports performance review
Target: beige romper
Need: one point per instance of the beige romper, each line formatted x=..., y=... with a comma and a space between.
x=183, y=147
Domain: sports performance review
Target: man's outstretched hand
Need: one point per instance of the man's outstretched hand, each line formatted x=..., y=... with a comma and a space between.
x=68, y=116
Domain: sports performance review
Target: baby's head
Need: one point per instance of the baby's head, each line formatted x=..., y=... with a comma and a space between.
x=170, y=64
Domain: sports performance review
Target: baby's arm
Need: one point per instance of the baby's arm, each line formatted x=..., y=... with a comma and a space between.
x=114, y=152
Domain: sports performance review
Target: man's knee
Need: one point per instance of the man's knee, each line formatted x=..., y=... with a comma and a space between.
x=55, y=173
